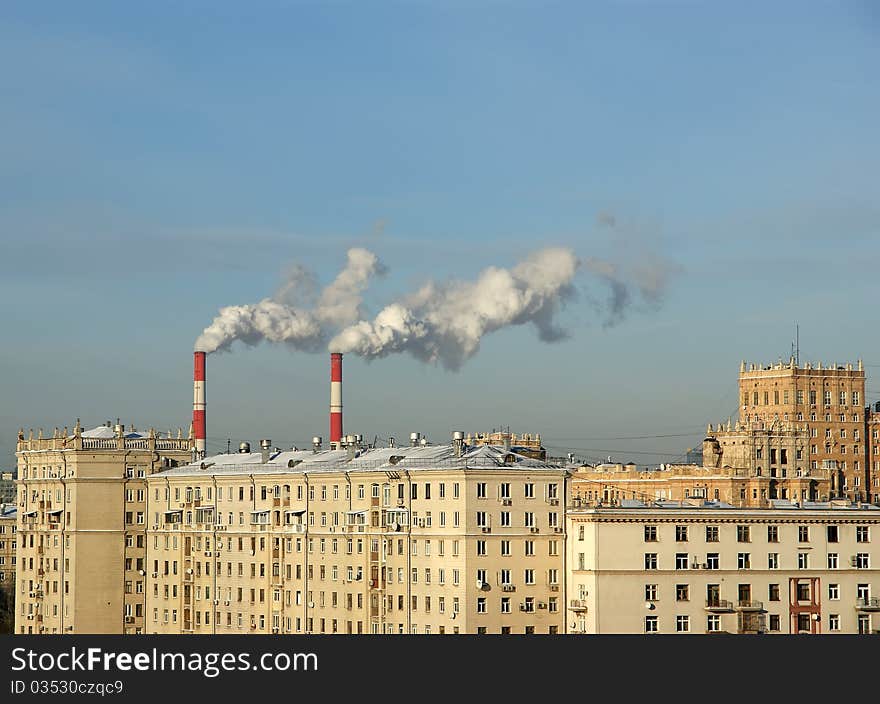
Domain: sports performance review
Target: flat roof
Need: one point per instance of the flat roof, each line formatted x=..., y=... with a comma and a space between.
x=384, y=459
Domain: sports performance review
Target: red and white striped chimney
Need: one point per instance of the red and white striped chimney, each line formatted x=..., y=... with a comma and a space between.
x=335, y=397
x=199, y=405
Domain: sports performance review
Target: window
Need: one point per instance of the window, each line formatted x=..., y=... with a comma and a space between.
x=713, y=623
x=803, y=591
x=481, y=605
x=650, y=624
x=481, y=490
x=862, y=535
x=743, y=561
x=650, y=592
x=711, y=534
x=803, y=534
x=772, y=560
x=803, y=560
x=681, y=592
x=681, y=534
x=773, y=592
x=743, y=534
x=833, y=592
x=482, y=519
x=832, y=561
x=681, y=560
x=833, y=622
x=682, y=624
x=650, y=534
x=650, y=560
x=832, y=532
x=774, y=622
x=712, y=561
x=530, y=490
x=862, y=561
x=529, y=576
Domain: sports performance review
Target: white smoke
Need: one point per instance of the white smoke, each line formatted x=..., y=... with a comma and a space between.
x=445, y=323
x=285, y=317
x=340, y=302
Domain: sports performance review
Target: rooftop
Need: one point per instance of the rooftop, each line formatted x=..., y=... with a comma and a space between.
x=424, y=457
x=696, y=505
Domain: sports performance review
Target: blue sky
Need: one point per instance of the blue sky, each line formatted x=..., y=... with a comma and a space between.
x=160, y=160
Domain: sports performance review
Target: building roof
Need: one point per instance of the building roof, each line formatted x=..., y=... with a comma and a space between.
x=661, y=506
x=8, y=511
x=422, y=457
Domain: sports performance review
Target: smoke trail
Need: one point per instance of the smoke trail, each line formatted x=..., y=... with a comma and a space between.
x=340, y=302
x=285, y=318
x=445, y=323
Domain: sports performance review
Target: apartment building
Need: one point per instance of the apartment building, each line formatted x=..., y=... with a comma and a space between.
x=423, y=539
x=8, y=547
x=708, y=567
x=872, y=444
x=7, y=488
x=743, y=466
x=829, y=400
x=82, y=527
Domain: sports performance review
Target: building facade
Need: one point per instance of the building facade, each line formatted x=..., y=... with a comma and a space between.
x=829, y=400
x=665, y=567
x=82, y=527
x=425, y=539
x=7, y=488
x=8, y=544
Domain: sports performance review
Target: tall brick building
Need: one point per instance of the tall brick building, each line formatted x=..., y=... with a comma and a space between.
x=829, y=400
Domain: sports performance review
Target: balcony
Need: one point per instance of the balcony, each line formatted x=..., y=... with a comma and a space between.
x=719, y=606
x=578, y=605
x=748, y=605
x=870, y=604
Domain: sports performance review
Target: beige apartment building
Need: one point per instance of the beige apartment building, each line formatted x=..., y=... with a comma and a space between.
x=830, y=400
x=743, y=466
x=8, y=547
x=664, y=567
x=422, y=539
x=872, y=444
x=82, y=527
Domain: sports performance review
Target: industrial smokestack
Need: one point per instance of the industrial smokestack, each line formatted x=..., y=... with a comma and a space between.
x=199, y=405
x=335, y=397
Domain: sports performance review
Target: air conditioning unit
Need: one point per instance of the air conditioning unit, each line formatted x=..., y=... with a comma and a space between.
x=507, y=588
x=154, y=575
x=207, y=553
x=485, y=529
x=542, y=605
x=554, y=587
x=480, y=584
x=557, y=529
x=695, y=565
x=533, y=529
x=522, y=607
x=854, y=561
x=506, y=502
x=554, y=502
x=30, y=617
x=226, y=603
x=129, y=619
x=32, y=594
x=216, y=602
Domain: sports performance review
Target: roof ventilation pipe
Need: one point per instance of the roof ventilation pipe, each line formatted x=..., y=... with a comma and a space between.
x=265, y=450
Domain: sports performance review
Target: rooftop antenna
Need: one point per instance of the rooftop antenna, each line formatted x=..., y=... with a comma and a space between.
x=228, y=446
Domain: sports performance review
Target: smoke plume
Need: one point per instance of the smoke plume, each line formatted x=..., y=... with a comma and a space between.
x=444, y=323
x=440, y=323
x=285, y=317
